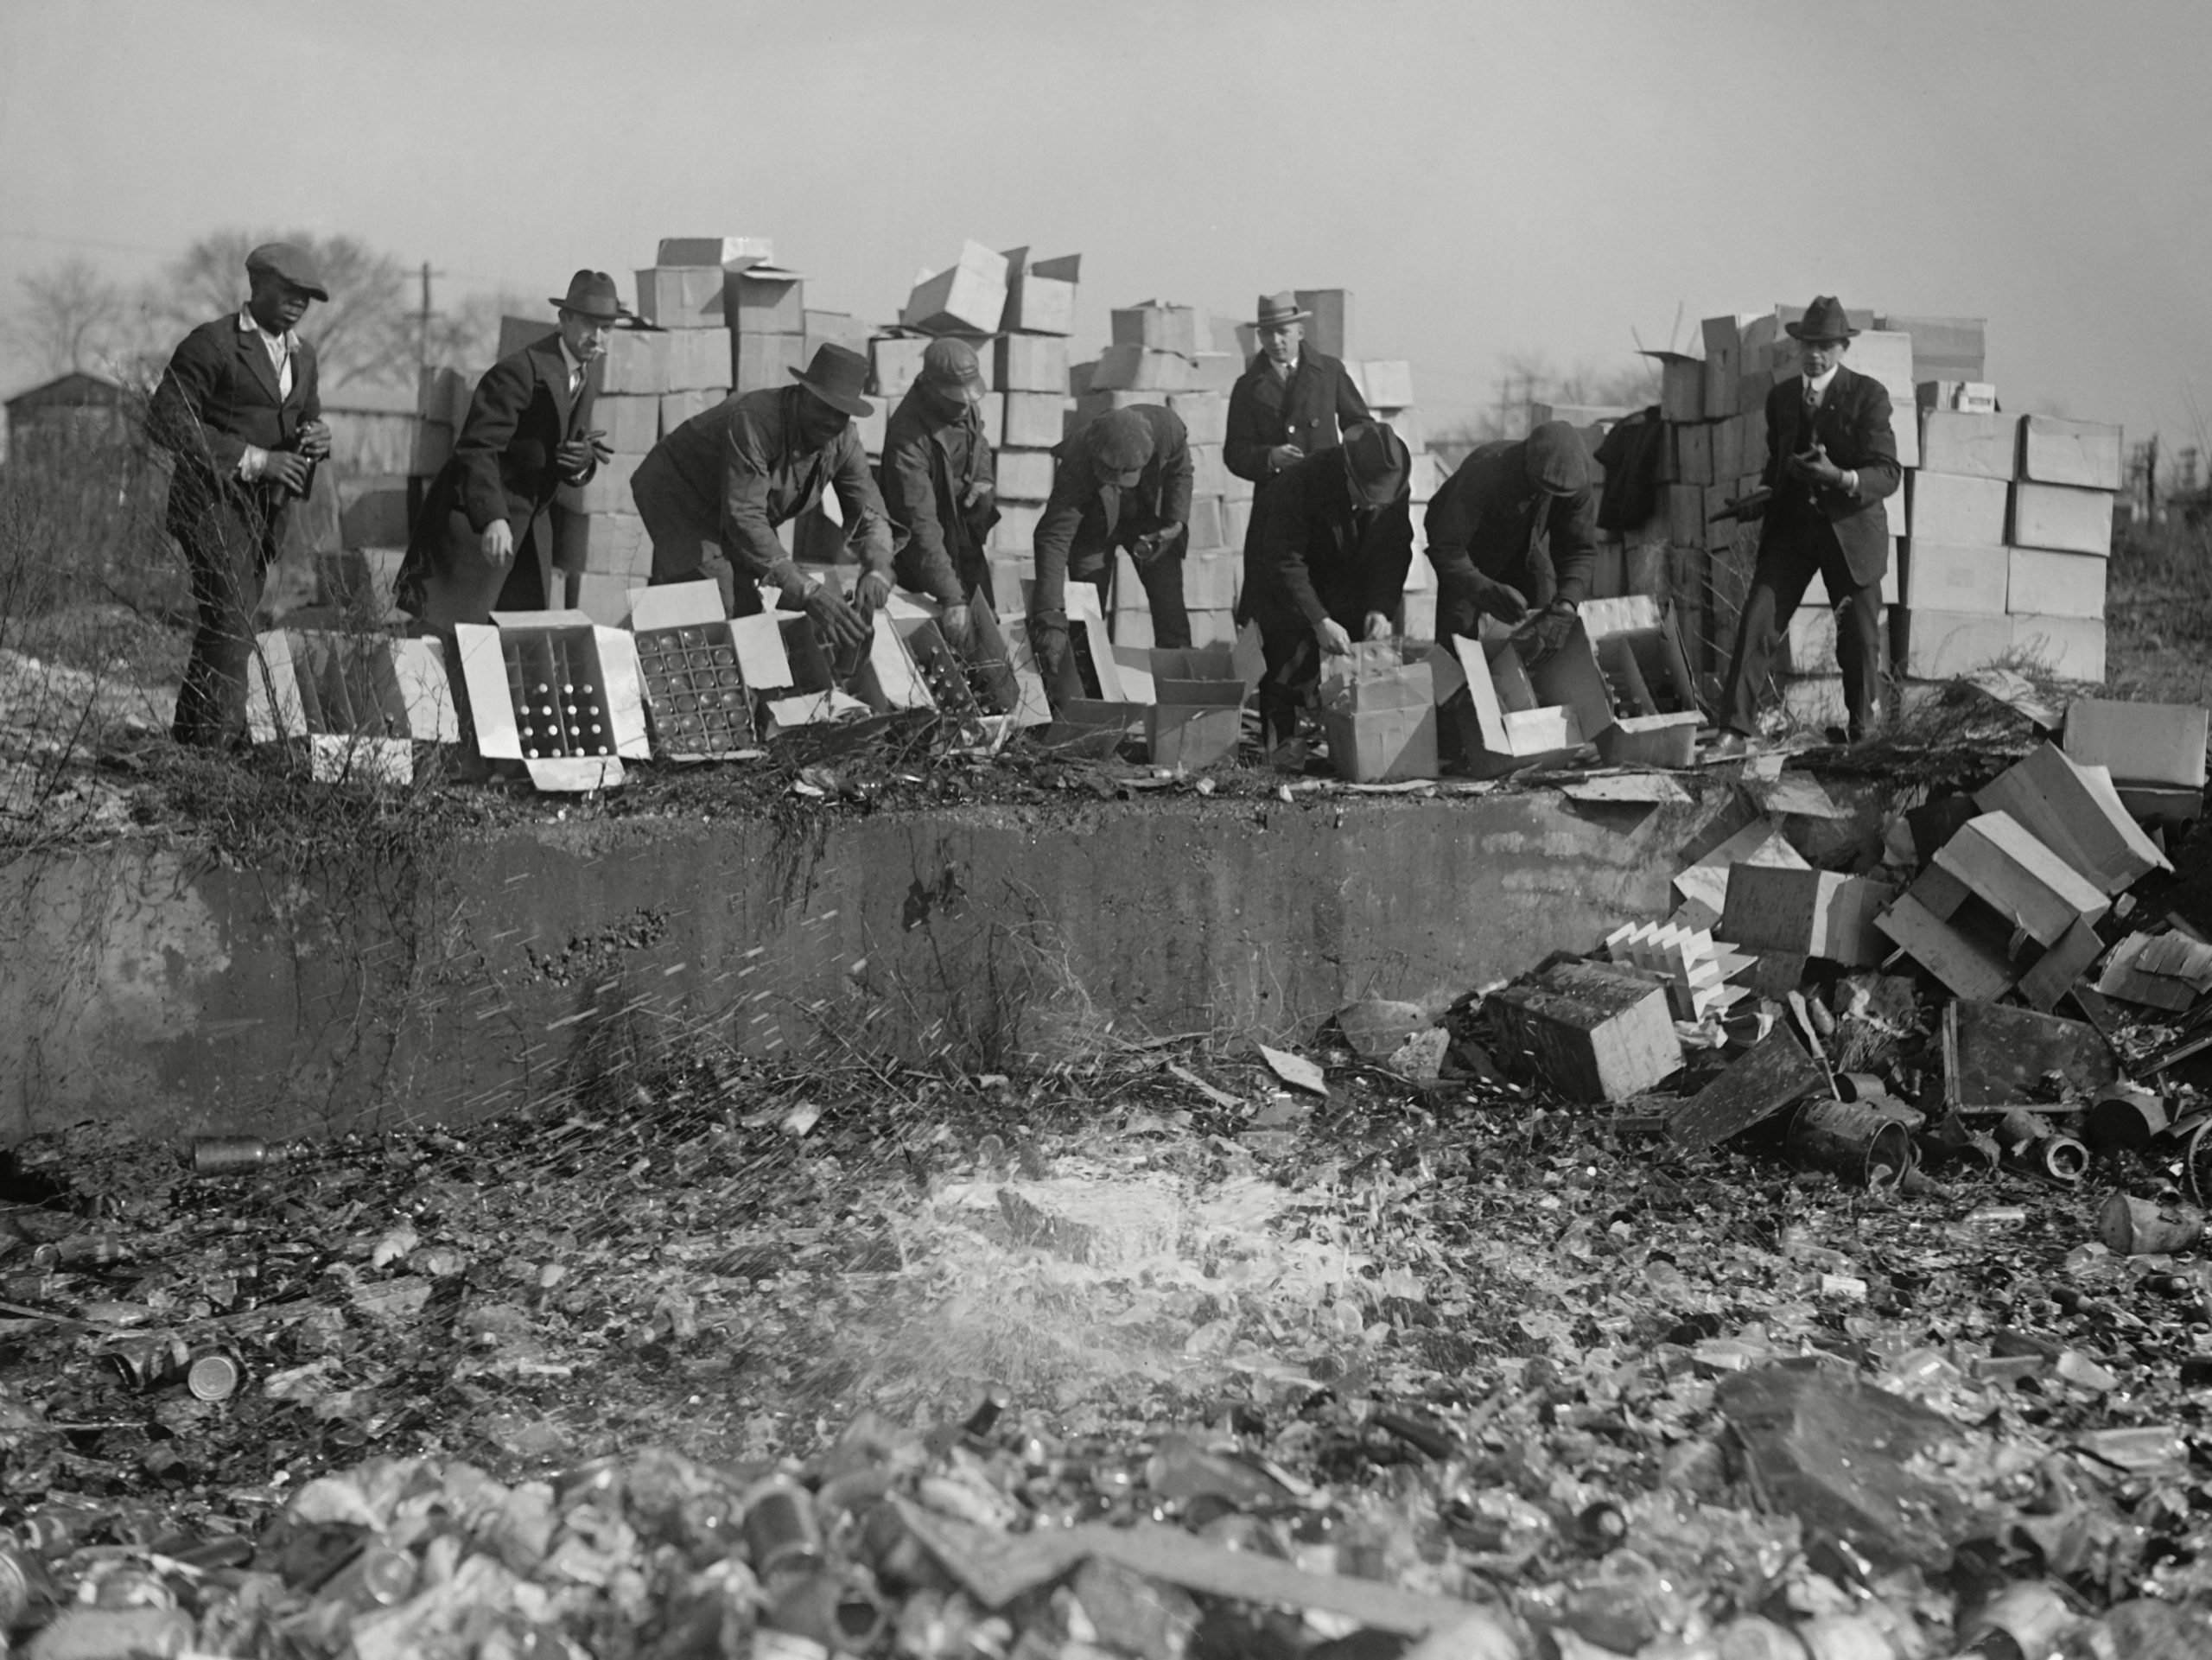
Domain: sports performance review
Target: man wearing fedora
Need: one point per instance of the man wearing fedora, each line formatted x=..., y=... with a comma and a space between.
x=1326, y=564
x=1832, y=456
x=939, y=484
x=1289, y=403
x=239, y=408
x=484, y=538
x=712, y=492
x=1513, y=534
x=1123, y=482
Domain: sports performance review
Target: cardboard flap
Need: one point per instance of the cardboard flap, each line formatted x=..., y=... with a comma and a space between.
x=676, y=605
x=273, y=708
x=809, y=660
x=624, y=682
x=889, y=678
x=542, y=620
x=1082, y=601
x=490, y=702
x=1444, y=667
x=1571, y=677
x=422, y=693
x=570, y=775
x=761, y=663
x=1133, y=666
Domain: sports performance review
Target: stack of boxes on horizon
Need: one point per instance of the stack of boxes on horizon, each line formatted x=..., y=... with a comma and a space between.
x=1999, y=532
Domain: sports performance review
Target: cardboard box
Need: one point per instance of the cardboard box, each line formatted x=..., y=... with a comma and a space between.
x=1032, y=363
x=1216, y=371
x=1210, y=475
x=2073, y=810
x=1896, y=510
x=1809, y=642
x=1009, y=573
x=1952, y=348
x=1647, y=680
x=1968, y=446
x=1968, y=396
x=1211, y=578
x=1015, y=533
x=2058, y=517
x=1594, y=1032
x=2046, y=584
x=1039, y=294
x=765, y=362
x=1814, y=912
x=2139, y=743
x=605, y=543
x=1378, y=710
x=1955, y=510
x=700, y=360
x=630, y=423
x=1693, y=451
x=835, y=328
x=895, y=365
x=966, y=297
x=681, y=297
x=2084, y=454
x=603, y=596
x=1962, y=961
x=715, y=250
x=608, y=490
x=302, y=683
x=1204, y=414
x=636, y=360
x=1504, y=726
x=2032, y=889
x=517, y=669
x=697, y=693
x=1031, y=420
x=677, y=408
x=1025, y=475
x=1127, y=367
x=2072, y=648
x=1157, y=327
x=1941, y=645
x=1389, y=383
x=1328, y=329
x=1194, y=701
x=764, y=299
x=1971, y=581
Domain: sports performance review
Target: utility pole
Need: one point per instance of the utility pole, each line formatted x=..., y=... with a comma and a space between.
x=422, y=325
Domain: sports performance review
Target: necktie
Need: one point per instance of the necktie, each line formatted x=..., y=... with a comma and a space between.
x=283, y=368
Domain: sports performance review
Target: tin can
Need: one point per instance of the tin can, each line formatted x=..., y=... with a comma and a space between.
x=1858, y=1144
x=213, y=1377
x=779, y=1530
x=145, y=1363
x=230, y=1155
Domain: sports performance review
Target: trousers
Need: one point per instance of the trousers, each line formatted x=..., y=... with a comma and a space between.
x=1786, y=563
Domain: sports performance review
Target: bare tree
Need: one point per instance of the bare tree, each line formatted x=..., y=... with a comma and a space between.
x=468, y=338
x=71, y=317
x=367, y=330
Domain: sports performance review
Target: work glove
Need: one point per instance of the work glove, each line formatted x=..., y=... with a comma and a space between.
x=499, y=542
x=1379, y=626
x=1542, y=638
x=957, y=624
x=870, y=594
x=1336, y=641
x=287, y=467
x=840, y=624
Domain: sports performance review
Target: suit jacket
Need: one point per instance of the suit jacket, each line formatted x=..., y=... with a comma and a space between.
x=502, y=467
x=933, y=462
x=1487, y=517
x=1852, y=424
x=1308, y=555
x=1079, y=527
x=1311, y=411
x=217, y=395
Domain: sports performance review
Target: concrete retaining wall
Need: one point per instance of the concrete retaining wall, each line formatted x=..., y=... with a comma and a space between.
x=152, y=985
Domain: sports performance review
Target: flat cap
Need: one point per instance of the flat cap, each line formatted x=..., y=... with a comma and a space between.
x=291, y=263
x=1119, y=441
x=1558, y=463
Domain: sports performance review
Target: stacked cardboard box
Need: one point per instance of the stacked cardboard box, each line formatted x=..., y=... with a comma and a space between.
x=1387, y=385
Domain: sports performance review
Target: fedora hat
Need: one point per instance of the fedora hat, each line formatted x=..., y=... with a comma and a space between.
x=290, y=262
x=593, y=294
x=836, y=376
x=1276, y=309
x=1378, y=461
x=1824, y=320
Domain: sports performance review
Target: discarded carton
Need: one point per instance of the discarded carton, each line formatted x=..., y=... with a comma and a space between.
x=1594, y=1032
x=1706, y=881
x=2169, y=972
x=1647, y=679
x=2073, y=810
x=1970, y=967
x=2032, y=888
x=302, y=683
x=555, y=691
x=1776, y=1072
x=968, y=297
x=2160, y=744
x=1379, y=710
x=1817, y=913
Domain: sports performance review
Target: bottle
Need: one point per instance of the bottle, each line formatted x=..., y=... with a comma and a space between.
x=226, y=1156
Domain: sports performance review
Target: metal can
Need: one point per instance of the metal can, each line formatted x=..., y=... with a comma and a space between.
x=213, y=1377
x=144, y=1363
x=779, y=1530
x=228, y=1155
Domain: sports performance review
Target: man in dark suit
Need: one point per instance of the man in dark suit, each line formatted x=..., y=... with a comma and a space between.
x=1290, y=403
x=1325, y=562
x=1513, y=534
x=484, y=538
x=238, y=408
x=1123, y=482
x=939, y=484
x=1831, y=458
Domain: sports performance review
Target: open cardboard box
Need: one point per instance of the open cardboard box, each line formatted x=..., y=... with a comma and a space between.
x=1379, y=709
x=519, y=669
x=1506, y=725
x=700, y=669
x=1639, y=652
x=1193, y=698
x=1006, y=682
x=361, y=701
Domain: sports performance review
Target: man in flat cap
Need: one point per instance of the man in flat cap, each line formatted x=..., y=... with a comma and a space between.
x=1831, y=456
x=1123, y=481
x=1290, y=401
x=484, y=538
x=238, y=408
x=713, y=492
x=939, y=484
x=1513, y=534
x=1326, y=564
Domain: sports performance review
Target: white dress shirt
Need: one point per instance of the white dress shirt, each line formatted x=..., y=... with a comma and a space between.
x=280, y=348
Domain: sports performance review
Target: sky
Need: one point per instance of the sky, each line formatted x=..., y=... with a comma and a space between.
x=1569, y=179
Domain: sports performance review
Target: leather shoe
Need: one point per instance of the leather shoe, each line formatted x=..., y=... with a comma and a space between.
x=1729, y=745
